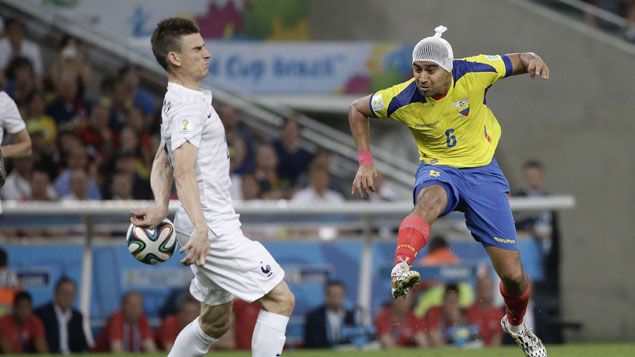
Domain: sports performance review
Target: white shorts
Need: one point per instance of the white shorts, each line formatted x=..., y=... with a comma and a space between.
x=235, y=266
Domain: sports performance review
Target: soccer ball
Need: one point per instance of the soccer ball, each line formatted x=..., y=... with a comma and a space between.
x=152, y=246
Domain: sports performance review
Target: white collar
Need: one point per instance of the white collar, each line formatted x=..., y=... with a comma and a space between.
x=188, y=91
x=61, y=314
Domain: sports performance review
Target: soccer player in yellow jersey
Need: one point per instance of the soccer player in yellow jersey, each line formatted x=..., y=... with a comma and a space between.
x=445, y=107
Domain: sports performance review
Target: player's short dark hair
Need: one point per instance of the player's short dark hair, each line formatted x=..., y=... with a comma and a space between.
x=436, y=242
x=63, y=280
x=22, y=295
x=331, y=283
x=533, y=164
x=166, y=36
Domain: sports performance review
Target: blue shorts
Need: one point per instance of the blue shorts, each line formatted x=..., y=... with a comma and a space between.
x=481, y=193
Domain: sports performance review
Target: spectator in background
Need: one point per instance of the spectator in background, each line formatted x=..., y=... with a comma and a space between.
x=72, y=59
x=141, y=99
x=293, y=160
x=8, y=278
x=63, y=324
x=484, y=314
x=41, y=188
x=119, y=100
x=323, y=326
x=271, y=188
x=235, y=128
x=250, y=187
x=129, y=163
x=15, y=45
x=21, y=79
x=45, y=155
x=448, y=324
x=18, y=183
x=439, y=253
x=397, y=326
x=121, y=187
x=79, y=186
x=127, y=330
x=37, y=121
x=129, y=140
x=630, y=20
x=188, y=309
x=66, y=107
x=239, y=162
x=22, y=331
x=96, y=133
x=318, y=190
x=77, y=159
x=543, y=226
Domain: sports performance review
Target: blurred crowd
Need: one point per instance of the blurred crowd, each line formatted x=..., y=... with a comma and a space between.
x=94, y=141
x=622, y=8
x=434, y=315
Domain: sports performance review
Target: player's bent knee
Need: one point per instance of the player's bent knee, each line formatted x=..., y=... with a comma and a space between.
x=512, y=277
x=280, y=300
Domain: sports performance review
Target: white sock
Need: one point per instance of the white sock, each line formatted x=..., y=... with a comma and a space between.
x=269, y=334
x=192, y=341
x=516, y=329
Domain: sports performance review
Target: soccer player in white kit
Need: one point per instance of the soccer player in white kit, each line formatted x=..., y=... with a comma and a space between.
x=194, y=152
x=11, y=121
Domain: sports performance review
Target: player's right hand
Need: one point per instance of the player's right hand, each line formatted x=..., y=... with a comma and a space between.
x=197, y=248
x=363, y=184
x=148, y=217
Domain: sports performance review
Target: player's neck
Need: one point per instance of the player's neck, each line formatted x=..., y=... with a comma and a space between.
x=188, y=83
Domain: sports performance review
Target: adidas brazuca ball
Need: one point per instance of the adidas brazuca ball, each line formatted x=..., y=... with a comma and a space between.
x=152, y=246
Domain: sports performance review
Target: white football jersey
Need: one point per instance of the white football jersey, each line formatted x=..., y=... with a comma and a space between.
x=188, y=115
x=10, y=118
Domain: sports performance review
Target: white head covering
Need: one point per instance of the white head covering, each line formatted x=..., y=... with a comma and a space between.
x=435, y=49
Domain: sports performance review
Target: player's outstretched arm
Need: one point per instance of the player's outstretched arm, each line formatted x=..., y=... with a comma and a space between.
x=358, y=114
x=21, y=146
x=187, y=189
x=529, y=62
x=161, y=184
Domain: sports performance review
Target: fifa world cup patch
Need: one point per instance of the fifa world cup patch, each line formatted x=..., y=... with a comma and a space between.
x=463, y=106
x=185, y=126
x=377, y=103
x=493, y=58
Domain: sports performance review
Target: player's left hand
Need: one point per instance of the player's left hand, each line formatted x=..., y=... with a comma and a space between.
x=538, y=68
x=148, y=217
x=197, y=247
x=363, y=183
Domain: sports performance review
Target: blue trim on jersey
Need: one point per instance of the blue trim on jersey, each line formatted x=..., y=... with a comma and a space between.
x=508, y=65
x=370, y=105
x=462, y=67
x=410, y=94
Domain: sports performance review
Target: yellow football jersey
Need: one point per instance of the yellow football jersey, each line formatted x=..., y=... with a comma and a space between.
x=457, y=130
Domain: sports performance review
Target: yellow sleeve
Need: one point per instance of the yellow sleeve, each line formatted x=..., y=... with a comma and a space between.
x=502, y=66
x=380, y=101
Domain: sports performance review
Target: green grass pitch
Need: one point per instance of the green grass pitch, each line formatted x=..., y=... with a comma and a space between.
x=570, y=350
